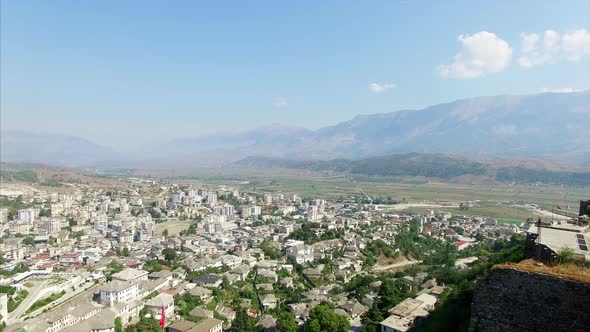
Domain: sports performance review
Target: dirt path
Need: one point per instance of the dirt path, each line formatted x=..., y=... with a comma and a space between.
x=383, y=268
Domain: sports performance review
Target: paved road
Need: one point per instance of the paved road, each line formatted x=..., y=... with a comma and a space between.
x=70, y=294
x=35, y=293
x=403, y=206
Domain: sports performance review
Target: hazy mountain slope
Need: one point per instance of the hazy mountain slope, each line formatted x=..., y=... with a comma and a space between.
x=543, y=125
x=16, y=146
x=410, y=164
x=540, y=125
x=273, y=140
x=535, y=125
x=427, y=165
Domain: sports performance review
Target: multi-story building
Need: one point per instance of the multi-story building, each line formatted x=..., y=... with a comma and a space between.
x=162, y=300
x=26, y=215
x=301, y=253
x=267, y=199
x=212, y=199
x=19, y=227
x=118, y=291
x=225, y=210
x=251, y=211
x=312, y=213
x=3, y=215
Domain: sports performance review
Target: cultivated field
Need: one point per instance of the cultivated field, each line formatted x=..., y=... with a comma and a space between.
x=418, y=194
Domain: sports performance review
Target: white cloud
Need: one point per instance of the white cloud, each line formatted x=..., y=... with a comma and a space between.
x=481, y=53
x=561, y=90
x=553, y=47
x=378, y=88
x=576, y=44
x=280, y=102
x=538, y=50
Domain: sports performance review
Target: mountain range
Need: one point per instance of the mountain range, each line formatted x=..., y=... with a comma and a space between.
x=546, y=125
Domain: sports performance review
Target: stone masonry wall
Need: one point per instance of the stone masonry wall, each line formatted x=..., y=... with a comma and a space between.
x=514, y=300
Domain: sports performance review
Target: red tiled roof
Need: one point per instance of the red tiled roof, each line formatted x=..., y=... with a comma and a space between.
x=41, y=256
x=70, y=255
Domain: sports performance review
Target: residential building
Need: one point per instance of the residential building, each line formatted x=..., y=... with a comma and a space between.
x=117, y=291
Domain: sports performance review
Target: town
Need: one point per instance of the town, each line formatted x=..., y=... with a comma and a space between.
x=150, y=254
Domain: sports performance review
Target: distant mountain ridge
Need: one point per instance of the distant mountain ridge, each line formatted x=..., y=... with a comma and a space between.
x=425, y=165
x=538, y=125
x=546, y=125
x=18, y=146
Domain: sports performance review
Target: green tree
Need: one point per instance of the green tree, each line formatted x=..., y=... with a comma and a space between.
x=165, y=233
x=29, y=241
x=44, y=213
x=169, y=254
x=145, y=324
x=243, y=323
x=322, y=318
x=118, y=325
x=565, y=255
x=153, y=266
x=286, y=322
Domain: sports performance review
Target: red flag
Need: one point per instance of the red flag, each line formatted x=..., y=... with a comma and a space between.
x=558, y=207
x=163, y=318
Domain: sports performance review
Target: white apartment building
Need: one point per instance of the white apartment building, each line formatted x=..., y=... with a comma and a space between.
x=251, y=211
x=267, y=199
x=212, y=199
x=301, y=253
x=26, y=215
x=118, y=291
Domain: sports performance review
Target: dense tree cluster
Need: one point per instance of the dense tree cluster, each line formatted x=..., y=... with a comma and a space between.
x=243, y=322
x=322, y=318
x=527, y=175
x=307, y=234
x=24, y=175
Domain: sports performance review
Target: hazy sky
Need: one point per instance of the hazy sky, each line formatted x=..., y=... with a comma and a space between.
x=128, y=72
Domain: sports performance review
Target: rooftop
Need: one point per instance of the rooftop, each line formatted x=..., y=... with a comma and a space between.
x=205, y=325
x=556, y=239
x=129, y=274
x=405, y=307
x=398, y=323
x=117, y=286
x=160, y=299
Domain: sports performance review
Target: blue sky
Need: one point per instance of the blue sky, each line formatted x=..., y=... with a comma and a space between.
x=124, y=73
